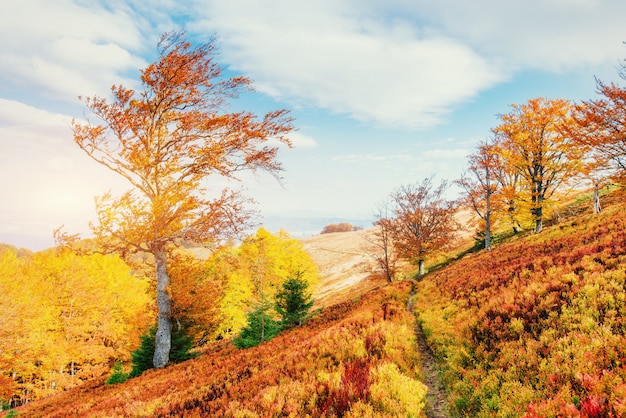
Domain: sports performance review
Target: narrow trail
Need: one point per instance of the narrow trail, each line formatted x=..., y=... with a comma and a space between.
x=437, y=405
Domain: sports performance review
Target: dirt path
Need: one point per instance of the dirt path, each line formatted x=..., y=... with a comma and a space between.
x=437, y=406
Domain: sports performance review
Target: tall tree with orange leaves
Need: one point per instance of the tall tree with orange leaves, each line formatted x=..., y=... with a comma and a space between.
x=533, y=143
x=601, y=125
x=481, y=185
x=166, y=139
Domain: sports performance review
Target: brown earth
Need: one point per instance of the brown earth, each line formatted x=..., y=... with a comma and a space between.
x=346, y=266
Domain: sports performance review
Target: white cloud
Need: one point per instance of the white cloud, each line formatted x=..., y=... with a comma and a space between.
x=300, y=140
x=407, y=63
x=65, y=48
x=552, y=35
x=335, y=56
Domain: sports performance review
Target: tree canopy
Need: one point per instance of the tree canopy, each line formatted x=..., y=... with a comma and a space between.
x=165, y=139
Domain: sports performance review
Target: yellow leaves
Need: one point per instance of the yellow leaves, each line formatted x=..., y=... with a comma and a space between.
x=396, y=393
x=68, y=316
x=255, y=271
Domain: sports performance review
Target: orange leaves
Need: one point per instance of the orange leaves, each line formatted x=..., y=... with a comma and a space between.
x=170, y=134
x=601, y=124
x=539, y=317
x=307, y=371
x=422, y=220
x=531, y=141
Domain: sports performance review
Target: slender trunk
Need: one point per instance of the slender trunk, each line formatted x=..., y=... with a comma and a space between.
x=488, y=231
x=596, y=199
x=163, y=340
x=488, y=211
x=537, y=210
x=420, y=269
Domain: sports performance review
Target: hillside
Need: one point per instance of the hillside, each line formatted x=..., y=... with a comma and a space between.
x=534, y=328
x=357, y=358
x=346, y=267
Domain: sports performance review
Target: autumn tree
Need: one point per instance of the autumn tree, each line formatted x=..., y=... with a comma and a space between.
x=340, y=227
x=256, y=271
x=381, y=243
x=166, y=139
x=535, y=146
x=423, y=220
x=65, y=318
x=510, y=188
x=480, y=185
x=197, y=289
x=600, y=125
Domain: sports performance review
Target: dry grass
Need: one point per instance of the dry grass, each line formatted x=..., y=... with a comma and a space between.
x=346, y=266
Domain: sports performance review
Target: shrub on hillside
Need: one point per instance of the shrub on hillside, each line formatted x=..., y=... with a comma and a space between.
x=142, y=358
x=293, y=302
x=261, y=327
x=340, y=227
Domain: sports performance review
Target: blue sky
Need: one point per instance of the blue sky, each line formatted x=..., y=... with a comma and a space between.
x=384, y=93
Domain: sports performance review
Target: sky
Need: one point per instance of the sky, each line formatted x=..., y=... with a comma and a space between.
x=384, y=93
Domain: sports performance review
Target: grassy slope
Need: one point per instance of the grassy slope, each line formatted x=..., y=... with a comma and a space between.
x=537, y=326
x=351, y=357
x=534, y=327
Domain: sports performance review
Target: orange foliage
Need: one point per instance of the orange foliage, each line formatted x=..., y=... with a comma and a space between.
x=531, y=141
x=340, y=227
x=423, y=220
x=601, y=125
x=342, y=361
x=165, y=140
x=536, y=326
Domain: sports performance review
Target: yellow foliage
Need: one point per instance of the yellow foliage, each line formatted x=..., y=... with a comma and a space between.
x=256, y=271
x=397, y=394
x=66, y=317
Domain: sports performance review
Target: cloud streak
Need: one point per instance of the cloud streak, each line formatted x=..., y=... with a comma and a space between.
x=410, y=63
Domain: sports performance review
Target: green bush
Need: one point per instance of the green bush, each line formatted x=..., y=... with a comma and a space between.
x=142, y=358
x=261, y=327
x=293, y=302
x=118, y=375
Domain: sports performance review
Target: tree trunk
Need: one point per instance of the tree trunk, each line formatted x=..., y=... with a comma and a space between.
x=420, y=269
x=163, y=340
x=488, y=231
x=538, y=225
x=596, y=199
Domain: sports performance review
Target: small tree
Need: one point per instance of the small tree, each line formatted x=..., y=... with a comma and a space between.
x=261, y=327
x=423, y=221
x=481, y=186
x=142, y=358
x=117, y=375
x=382, y=244
x=293, y=302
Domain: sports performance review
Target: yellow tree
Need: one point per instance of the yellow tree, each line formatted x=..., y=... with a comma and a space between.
x=165, y=139
x=66, y=318
x=259, y=267
x=533, y=143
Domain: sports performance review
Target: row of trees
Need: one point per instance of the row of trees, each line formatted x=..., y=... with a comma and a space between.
x=538, y=152
x=69, y=317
